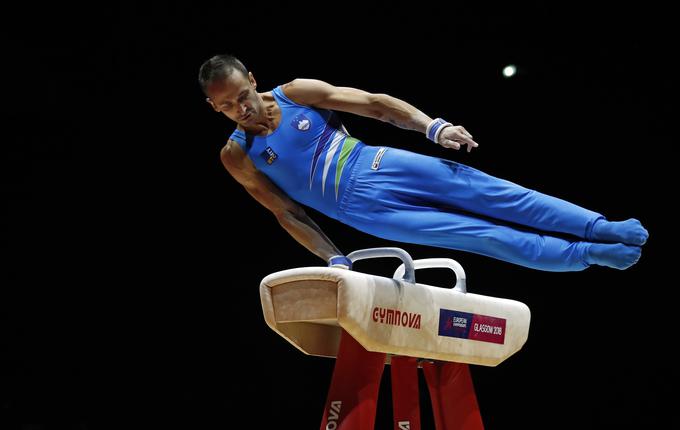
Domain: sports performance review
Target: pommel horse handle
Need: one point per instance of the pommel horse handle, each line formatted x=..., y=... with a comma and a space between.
x=407, y=268
x=436, y=263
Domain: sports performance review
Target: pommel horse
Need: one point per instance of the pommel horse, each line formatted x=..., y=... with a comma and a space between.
x=367, y=321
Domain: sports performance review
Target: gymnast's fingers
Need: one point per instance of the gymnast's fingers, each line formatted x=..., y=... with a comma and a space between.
x=471, y=144
x=448, y=143
x=465, y=131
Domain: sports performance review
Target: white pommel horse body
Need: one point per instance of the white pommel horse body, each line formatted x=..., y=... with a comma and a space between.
x=361, y=318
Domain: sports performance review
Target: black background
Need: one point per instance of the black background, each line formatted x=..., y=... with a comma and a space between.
x=131, y=260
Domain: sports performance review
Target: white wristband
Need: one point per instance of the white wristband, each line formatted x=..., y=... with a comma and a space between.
x=434, y=129
x=340, y=261
x=439, y=131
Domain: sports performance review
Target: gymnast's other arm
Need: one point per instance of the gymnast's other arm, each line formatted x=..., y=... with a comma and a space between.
x=290, y=215
x=383, y=107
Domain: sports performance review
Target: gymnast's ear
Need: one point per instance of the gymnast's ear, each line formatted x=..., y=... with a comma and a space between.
x=251, y=78
x=212, y=105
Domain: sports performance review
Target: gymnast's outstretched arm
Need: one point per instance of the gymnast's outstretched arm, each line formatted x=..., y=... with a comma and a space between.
x=290, y=215
x=383, y=107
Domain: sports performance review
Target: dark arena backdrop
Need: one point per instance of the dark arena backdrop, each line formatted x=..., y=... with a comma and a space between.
x=131, y=260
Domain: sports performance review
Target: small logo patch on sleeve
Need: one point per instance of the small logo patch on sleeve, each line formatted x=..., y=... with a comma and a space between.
x=378, y=157
x=269, y=155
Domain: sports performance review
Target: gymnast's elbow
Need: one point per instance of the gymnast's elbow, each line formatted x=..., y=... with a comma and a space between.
x=290, y=214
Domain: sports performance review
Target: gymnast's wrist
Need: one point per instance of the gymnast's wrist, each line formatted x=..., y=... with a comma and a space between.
x=434, y=129
x=340, y=261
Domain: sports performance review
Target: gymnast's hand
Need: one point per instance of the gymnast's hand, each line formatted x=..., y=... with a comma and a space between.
x=340, y=261
x=454, y=136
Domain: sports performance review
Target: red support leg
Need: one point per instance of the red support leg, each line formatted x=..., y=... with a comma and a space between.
x=353, y=396
x=454, y=402
x=405, y=395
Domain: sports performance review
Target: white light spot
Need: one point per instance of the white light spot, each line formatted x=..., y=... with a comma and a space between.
x=509, y=70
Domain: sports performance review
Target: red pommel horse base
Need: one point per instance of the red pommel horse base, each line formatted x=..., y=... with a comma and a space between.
x=366, y=321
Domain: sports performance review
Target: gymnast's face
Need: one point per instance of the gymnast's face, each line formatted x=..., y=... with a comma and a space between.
x=236, y=97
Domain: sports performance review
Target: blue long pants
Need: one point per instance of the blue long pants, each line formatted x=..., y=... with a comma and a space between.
x=414, y=198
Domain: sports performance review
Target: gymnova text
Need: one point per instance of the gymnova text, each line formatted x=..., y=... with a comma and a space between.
x=396, y=317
